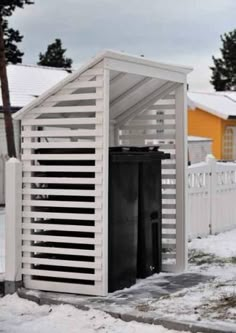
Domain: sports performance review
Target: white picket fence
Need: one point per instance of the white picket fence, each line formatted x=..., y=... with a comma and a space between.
x=211, y=197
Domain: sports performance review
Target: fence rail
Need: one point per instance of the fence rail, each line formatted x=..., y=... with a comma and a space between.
x=211, y=197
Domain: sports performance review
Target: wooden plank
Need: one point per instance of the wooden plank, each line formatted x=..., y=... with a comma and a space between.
x=157, y=136
x=81, y=144
x=168, y=166
x=62, y=227
x=92, y=72
x=66, y=109
x=63, y=216
x=74, y=288
x=59, y=239
x=166, y=176
x=168, y=246
x=168, y=206
x=168, y=236
x=62, y=180
x=155, y=117
x=62, y=133
x=61, y=168
x=168, y=226
x=69, y=204
x=65, y=157
x=168, y=196
x=162, y=107
x=43, y=191
x=169, y=268
x=169, y=186
x=62, y=121
x=148, y=127
x=41, y=249
x=169, y=216
x=84, y=84
x=62, y=263
x=74, y=97
x=65, y=275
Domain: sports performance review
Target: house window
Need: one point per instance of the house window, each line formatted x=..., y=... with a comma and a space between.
x=228, y=148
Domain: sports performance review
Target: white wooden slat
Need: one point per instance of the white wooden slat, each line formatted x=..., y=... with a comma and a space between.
x=81, y=144
x=41, y=249
x=62, y=227
x=61, y=287
x=85, y=84
x=168, y=186
x=62, y=121
x=65, y=168
x=169, y=216
x=155, y=117
x=166, y=176
x=169, y=256
x=168, y=166
x=59, y=239
x=168, y=226
x=168, y=196
x=65, y=157
x=168, y=246
x=65, y=275
x=70, y=204
x=63, y=216
x=157, y=136
x=148, y=127
x=61, y=97
x=162, y=107
x=166, y=146
x=168, y=236
x=62, y=133
x=62, y=180
x=65, y=263
x=87, y=193
x=67, y=109
x=168, y=206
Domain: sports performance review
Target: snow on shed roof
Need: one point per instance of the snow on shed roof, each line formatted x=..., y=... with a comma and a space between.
x=118, y=62
x=26, y=82
x=220, y=104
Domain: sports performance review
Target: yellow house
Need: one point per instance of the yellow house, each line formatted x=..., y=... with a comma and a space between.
x=213, y=115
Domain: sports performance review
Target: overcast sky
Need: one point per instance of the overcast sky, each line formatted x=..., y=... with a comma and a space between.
x=184, y=32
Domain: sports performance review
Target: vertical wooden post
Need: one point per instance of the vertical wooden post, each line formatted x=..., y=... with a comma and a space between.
x=181, y=178
x=106, y=122
x=211, y=161
x=13, y=225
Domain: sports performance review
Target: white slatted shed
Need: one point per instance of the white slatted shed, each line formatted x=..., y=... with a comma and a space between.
x=116, y=99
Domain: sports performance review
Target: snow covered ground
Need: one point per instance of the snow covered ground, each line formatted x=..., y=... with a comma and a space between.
x=213, y=301
x=20, y=316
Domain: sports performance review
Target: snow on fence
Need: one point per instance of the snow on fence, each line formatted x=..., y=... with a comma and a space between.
x=211, y=197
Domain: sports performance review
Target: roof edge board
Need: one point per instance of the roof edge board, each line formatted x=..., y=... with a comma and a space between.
x=144, y=70
x=147, y=62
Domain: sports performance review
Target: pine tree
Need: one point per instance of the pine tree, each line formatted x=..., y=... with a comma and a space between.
x=7, y=8
x=224, y=69
x=55, y=56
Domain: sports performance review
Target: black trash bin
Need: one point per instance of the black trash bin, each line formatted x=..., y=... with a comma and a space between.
x=149, y=217
x=123, y=219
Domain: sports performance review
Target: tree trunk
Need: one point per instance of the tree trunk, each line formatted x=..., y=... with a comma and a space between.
x=6, y=98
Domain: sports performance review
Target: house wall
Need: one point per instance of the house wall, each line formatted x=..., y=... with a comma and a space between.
x=201, y=123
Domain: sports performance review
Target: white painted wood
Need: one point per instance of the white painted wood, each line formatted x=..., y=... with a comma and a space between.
x=41, y=249
x=74, y=97
x=85, y=84
x=69, y=204
x=58, y=239
x=60, y=227
x=60, y=262
x=62, y=180
x=181, y=178
x=62, y=121
x=66, y=109
x=63, y=133
x=13, y=220
x=64, y=275
x=81, y=144
x=62, y=216
x=65, y=168
x=62, y=157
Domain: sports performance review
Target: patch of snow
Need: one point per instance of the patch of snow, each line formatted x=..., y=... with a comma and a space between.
x=222, y=245
x=21, y=316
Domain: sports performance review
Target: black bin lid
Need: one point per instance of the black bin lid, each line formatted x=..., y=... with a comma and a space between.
x=137, y=153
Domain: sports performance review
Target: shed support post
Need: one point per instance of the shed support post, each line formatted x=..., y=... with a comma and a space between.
x=211, y=161
x=181, y=178
x=13, y=225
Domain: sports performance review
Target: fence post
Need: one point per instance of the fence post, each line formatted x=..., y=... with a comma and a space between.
x=210, y=159
x=13, y=225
